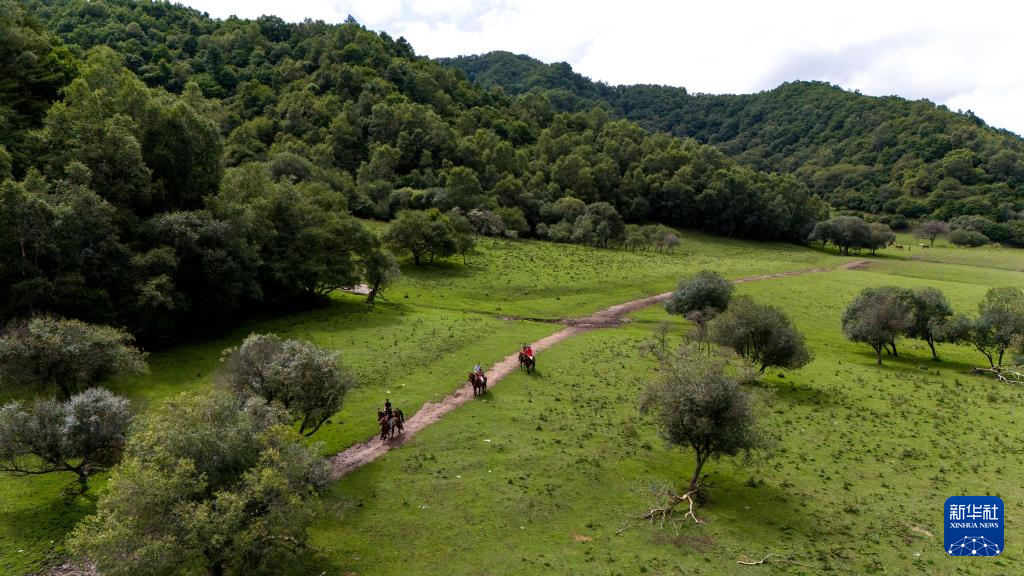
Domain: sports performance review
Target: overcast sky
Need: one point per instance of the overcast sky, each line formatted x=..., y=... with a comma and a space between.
x=966, y=55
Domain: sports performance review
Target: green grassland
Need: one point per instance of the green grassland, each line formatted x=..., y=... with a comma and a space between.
x=865, y=457
x=993, y=256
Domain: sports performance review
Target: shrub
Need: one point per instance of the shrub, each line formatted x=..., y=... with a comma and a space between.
x=967, y=238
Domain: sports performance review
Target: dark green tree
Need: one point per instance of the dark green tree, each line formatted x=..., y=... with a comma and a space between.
x=82, y=435
x=306, y=380
x=878, y=317
x=235, y=495
x=69, y=354
x=932, y=313
x=762, y=334
x=700, y=405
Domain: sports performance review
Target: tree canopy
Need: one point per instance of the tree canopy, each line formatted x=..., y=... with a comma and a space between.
x=700, y=405
x=904, y=159
x=762, y=334
x=165, y=171
x=307, y=381
x=206, y=484
x=68, y=354
x=82, y=435
x=878, y=317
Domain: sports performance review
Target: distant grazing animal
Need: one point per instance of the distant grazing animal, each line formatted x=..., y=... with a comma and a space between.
x=479, y=382
x=527, y=362
x=898, y=246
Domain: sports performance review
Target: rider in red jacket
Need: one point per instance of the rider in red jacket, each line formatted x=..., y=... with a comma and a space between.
x=528, y=350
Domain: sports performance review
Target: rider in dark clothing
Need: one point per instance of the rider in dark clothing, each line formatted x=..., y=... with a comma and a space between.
x=387, y=408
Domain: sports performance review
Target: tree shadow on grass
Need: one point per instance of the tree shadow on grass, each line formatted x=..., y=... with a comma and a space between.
x=39, y=523
x=771, y=511
x=793, y=392
x=909, y=364
x=439, y=270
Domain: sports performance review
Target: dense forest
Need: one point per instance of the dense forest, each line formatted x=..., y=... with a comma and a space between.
x=887, y=156
x=165, y=171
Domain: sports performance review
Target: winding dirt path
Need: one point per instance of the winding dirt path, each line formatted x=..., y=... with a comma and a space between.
x=369, y=450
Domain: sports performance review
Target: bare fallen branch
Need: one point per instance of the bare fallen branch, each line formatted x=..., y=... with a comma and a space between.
x=744, y=561
x=624, y=528
x=1010, y=375
x=662, y=512
x=755, y=562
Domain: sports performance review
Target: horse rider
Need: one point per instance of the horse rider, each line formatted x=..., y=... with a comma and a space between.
x=528, y=351
x=387, y=408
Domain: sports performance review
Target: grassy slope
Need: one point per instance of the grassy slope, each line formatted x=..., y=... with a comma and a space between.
x=580, y=476
x=867, y=456
x=412, y=349
x=988, y=257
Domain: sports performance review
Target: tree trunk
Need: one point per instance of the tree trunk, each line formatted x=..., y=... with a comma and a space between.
x=931, y=344
x=416, y=258
x=372, y=294
x=1000, y=357
x=893, y=344
x=696, y=472
x=64, y=390
x=878, y=353
x=83, y=477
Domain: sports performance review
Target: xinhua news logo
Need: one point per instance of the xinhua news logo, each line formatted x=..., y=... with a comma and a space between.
x=974, y=526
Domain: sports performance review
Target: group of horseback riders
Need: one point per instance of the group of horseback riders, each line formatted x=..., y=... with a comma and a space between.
x=391, y=420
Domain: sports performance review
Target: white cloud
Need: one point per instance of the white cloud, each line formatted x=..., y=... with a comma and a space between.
x=963, y=55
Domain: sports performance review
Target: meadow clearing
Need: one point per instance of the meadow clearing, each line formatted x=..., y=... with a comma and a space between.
x=542, y=474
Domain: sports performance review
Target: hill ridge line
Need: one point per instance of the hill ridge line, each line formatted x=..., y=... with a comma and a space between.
x=367, y=451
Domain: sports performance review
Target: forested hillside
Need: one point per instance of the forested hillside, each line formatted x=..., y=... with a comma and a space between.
x=908, y=159
x=163, y=170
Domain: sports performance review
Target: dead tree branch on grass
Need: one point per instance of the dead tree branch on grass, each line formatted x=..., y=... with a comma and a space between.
x=666, y=500
x=664, y=511
x=1010, y=375
x=744, y=561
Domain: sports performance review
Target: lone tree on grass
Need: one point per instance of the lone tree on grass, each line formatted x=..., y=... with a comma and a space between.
x=69, y=354
x=879, y=236
x=762, y=334
x=931, y=317
x=877, y=317
x=998, y=326
x=930, y=230
x=307, y=381
x=699, y=404
x=700, y=298
x=380, y=269
x=427, y=233
x=409, y=233
x=83, y=435
x=211, y=486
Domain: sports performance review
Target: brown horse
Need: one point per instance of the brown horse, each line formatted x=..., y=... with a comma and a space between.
x=527, y=362
x=479, y=383
x=390, y=425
